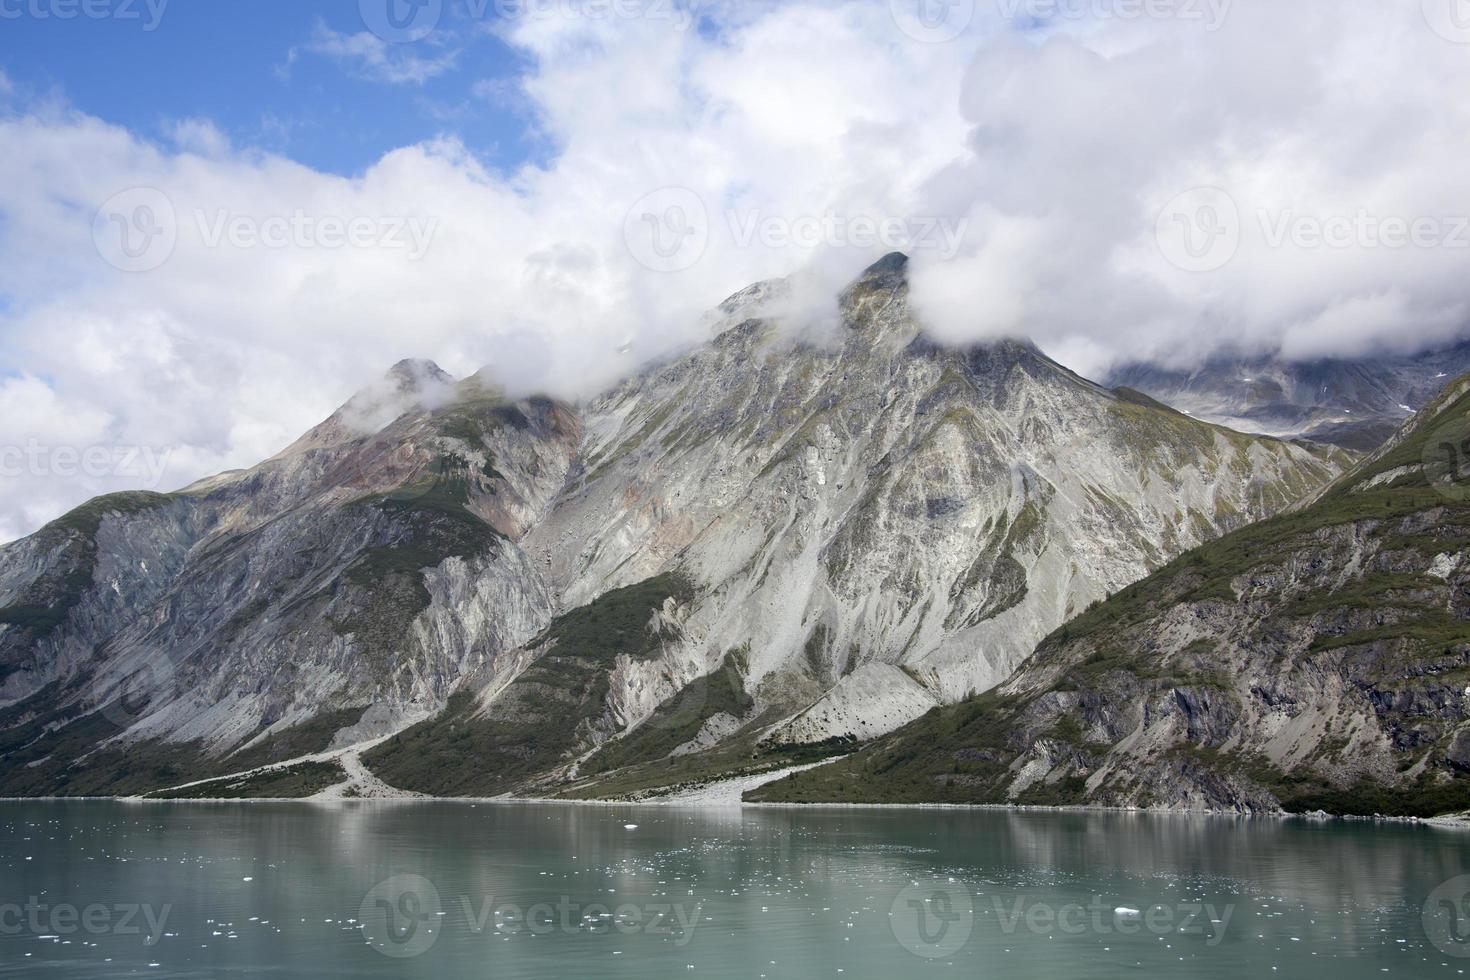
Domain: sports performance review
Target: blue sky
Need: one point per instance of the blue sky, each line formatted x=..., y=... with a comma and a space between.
x=258, y=71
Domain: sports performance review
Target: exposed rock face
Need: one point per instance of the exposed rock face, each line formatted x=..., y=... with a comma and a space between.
x=356, y=569
x=845, y=528
x=1317, y=660
x=893, y=522
x=1356, y=404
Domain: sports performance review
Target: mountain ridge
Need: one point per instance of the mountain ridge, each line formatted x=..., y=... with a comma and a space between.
x=1313, y=661
x=865, y=524
x=1351, y=403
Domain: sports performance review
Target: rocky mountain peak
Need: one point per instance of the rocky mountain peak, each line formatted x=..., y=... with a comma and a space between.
x=845, y=527
x=888, y=272
x=414, y=375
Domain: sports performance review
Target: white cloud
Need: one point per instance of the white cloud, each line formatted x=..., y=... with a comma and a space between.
x=370, y=56
x=1057, y=147
x=1306, y=114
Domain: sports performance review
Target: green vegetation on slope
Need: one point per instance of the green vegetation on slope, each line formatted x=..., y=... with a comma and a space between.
x=432, y=523
x=1364, y=616
x=288, y=783
x=953, y=754
x=307, y=738
x=46, y=602
x=48, y=749
x=554, y=709
x=680, y=718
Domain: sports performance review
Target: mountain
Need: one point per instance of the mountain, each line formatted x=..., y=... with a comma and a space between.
x=1354, y=404
x=849, y=526
x=332, y=593
x=800, y=533
x=1318, y=660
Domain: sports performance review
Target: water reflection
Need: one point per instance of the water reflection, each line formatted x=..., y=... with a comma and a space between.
x=445, y=890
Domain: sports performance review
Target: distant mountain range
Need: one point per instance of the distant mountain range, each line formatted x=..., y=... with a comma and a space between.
x=781, y=545
x=1354, y=404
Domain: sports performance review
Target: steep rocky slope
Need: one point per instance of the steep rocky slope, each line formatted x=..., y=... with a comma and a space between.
x=336, y=591
x=808, y=530
x=1356, y=404
x=1317, y=660
x=870, y=524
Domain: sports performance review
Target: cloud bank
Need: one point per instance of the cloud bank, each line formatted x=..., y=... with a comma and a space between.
x=1116, y=185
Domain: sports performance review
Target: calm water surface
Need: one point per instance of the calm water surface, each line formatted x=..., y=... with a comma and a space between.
x=445, y=890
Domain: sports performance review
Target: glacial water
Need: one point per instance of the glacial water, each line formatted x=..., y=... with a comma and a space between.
x=451, y=890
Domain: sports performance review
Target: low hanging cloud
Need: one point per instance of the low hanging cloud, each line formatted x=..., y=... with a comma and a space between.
x=1289, y=182
x=1116, y=185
